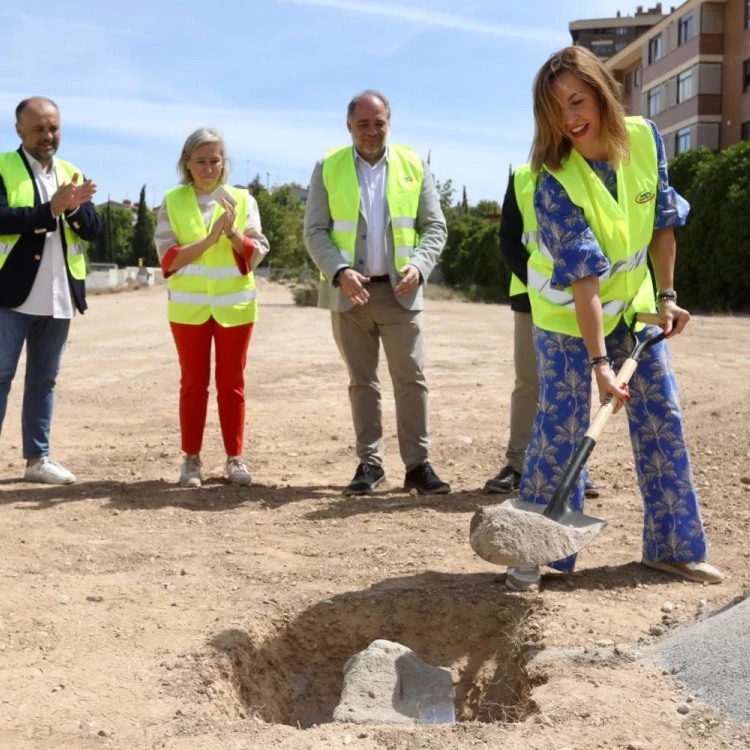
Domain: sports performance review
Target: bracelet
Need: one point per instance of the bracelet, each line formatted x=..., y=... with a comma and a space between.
x=594, y=361
x=666, y=294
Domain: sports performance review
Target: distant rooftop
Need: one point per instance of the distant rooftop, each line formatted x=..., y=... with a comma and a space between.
x=641, y=17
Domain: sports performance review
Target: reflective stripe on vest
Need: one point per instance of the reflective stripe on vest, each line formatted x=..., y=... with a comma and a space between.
x=403, y=187
x=524, y=185
x=19, y=188
x=196, y=269
x=212, y=285
x=623, y=229
x=225, y=300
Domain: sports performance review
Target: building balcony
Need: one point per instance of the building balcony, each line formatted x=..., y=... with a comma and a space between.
x=703, y=44
x=700, y=105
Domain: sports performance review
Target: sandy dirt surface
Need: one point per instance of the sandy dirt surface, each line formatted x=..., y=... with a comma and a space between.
x=135, y=614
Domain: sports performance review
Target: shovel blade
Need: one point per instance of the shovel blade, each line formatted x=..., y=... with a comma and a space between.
x=570, y=519
x=517, y=533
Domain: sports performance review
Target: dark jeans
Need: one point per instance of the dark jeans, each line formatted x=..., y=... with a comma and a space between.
x=45, y=339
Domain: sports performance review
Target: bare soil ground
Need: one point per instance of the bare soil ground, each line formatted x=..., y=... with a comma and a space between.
x=135, y=614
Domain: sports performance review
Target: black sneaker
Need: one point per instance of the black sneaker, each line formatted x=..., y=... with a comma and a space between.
x=506, y=481
x=366, y=479
x=425, y=481
x=592, y=489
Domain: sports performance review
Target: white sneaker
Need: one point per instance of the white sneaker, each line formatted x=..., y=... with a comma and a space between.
x=47, y=471
x=237, y=472
x=190, y=473
x=523, y=579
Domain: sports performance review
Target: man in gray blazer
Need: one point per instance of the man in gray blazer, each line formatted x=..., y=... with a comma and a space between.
x=375, y=229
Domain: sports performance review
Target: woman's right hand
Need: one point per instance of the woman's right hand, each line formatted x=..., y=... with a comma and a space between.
x=606, y=382
x=215, y=234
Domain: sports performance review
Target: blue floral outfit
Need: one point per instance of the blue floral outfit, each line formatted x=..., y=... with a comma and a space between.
x=673, y=530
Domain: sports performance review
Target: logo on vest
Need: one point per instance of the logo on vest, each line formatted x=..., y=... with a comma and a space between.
x=645, y=197
x=408, y=178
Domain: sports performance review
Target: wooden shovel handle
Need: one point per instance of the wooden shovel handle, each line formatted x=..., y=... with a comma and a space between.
x=605, y=410
x=626, y=372
x=651, y=319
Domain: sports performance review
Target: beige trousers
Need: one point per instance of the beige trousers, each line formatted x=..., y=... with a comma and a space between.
x=358, y=334
x=525, y=396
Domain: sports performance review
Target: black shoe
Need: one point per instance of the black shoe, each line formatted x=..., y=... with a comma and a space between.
x=592, y=489
x=425, y=481
x=366, y=479
x=506, y=481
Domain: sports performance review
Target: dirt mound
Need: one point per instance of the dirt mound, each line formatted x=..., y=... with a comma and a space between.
x=112, y=588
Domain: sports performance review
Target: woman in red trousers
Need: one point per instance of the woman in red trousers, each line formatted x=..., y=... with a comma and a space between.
x=209, y=240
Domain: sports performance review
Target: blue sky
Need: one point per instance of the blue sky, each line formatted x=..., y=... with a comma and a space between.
x=274, y=76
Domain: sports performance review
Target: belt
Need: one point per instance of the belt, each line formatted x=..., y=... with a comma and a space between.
x=376, y=279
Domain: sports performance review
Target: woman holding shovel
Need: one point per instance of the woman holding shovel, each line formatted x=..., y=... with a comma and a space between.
x=604, y=206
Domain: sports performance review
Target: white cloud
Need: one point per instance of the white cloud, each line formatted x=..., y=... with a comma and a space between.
x=441, y=19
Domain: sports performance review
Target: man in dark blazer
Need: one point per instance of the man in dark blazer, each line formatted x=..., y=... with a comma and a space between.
x=45, y=213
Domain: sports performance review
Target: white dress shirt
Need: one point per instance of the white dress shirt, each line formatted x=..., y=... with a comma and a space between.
x=372, y=181
x=50, y=293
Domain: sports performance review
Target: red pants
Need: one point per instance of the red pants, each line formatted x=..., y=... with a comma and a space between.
x=194, y=351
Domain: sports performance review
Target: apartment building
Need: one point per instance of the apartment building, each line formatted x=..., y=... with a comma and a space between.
x=607, y=36
x=690, y=74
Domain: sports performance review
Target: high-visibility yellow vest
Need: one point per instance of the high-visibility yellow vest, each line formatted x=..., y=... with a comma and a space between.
x=524, y=185
x=19, y=187
x=211, y=286
x=403, y=187
x=623, y=229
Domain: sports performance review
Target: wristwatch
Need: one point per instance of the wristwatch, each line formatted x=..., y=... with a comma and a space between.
x=335, y=279
x=666, y=294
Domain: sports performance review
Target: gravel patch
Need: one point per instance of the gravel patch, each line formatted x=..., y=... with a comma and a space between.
x=712, y=659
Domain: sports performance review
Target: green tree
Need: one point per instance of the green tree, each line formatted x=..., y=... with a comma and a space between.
x=484, y=209
x=282, y=218
x=142, y=243
x=711, y=272
x=464, y=203
x=256, y=187
x=445, y=191
x=114, y=244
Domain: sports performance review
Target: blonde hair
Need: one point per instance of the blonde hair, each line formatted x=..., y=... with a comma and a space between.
x=551, y=147
x=196, y=139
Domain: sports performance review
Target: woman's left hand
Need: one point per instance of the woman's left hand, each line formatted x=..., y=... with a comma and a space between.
x=674, y=317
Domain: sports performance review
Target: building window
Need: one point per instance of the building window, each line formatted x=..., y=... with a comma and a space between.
x=628, y=83
x=684, y=86
x=621, y=30
x=746, y=75
x=685, y=32
x=654, y=49
x=636, y=77
x=619, y=46
x=682, y=141
x=746, y=131
x=653, y=102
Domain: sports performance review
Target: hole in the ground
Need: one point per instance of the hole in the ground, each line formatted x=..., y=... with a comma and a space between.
x=290, y=670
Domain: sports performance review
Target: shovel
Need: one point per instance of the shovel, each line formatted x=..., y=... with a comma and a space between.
x=521, y=533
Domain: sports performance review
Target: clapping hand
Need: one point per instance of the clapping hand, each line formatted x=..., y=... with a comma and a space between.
x=230, y=214
x=81, y=193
